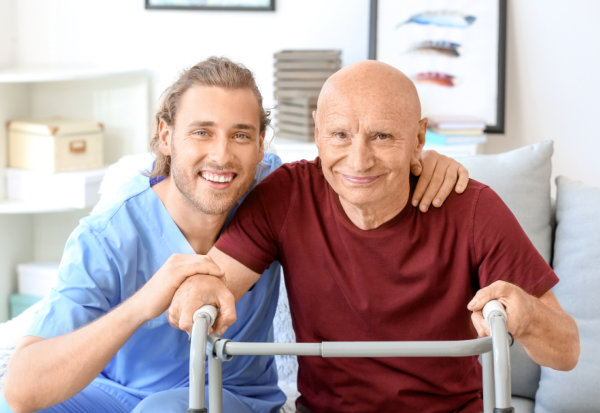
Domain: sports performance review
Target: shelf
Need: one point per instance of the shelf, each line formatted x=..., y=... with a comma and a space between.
x=290, y=150
x=36, y=192
x=455, y=151
x=26, y=207
x=56, y=74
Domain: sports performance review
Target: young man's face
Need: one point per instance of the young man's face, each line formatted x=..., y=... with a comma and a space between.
x=215, y=146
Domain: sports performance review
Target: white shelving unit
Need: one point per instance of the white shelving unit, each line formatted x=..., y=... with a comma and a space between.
x=117, y=97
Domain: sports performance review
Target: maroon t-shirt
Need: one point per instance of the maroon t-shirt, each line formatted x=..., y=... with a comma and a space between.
x=410, y=279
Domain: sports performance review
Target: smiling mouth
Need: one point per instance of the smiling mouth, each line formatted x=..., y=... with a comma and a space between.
x=360, y=180
x=218, y=177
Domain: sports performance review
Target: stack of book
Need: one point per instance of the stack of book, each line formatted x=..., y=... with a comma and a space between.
x=299, y=75
x=455, y=135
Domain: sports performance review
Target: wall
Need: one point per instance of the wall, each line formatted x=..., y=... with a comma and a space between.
x=552, y=85
x=7, y=32
x=75, y=32
x=552, y=57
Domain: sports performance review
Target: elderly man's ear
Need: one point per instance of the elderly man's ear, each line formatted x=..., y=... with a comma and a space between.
x=416, y=167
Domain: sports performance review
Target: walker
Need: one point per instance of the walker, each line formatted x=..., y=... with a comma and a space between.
x=494, y=350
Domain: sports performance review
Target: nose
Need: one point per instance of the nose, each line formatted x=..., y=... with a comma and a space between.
x=220, y=152
x=360, y=154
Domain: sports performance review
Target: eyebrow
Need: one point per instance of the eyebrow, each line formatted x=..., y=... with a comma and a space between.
x=243, y=126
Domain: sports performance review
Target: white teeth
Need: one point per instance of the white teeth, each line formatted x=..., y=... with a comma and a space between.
x=217, y=178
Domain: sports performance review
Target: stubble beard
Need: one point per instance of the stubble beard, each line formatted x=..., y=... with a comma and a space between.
x=208, y=201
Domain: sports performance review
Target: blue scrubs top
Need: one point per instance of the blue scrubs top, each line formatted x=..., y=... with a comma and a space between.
x=110, y=256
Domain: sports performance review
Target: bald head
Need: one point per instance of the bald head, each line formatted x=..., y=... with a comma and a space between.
x=371, y=81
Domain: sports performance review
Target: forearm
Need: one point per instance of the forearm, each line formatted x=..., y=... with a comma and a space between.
x=552, y=337
x=237, y=277
x=46, y=372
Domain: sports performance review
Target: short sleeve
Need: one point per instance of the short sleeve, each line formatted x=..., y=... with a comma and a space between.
x=502, y=249
x=253, y=235
x=87, y=287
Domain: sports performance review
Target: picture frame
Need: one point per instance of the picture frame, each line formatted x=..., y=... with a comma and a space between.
x=223, y=5
x=454, y=51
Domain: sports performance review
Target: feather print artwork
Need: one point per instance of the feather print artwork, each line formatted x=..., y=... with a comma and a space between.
x=441, y=18
x=436, y=78
x=443, y=47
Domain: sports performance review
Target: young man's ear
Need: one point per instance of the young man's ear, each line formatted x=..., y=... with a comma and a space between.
x=415, y=160
x=164, y=138
x=261, y=145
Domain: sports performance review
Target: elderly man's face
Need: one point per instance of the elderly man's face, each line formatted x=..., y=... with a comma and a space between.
x=366, y=143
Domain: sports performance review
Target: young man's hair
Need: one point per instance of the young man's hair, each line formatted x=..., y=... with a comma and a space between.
x=214, y=71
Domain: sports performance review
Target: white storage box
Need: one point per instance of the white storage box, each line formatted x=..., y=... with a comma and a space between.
x=37, y=278
x=66, y=189
x=55, y=145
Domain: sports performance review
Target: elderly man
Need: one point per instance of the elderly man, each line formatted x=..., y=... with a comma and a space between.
x=361, y=264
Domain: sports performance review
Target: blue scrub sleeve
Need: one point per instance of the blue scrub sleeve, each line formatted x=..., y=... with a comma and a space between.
x=85, y=290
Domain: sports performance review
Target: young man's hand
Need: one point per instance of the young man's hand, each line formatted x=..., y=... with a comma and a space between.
x=155, y=296
x=438, y=175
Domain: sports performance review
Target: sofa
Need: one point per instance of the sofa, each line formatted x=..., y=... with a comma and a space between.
x=564, y=225
x=565, y=231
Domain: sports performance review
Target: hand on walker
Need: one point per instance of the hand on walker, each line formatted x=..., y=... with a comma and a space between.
x=518, y=305
x=197, y=291
x=438, y=175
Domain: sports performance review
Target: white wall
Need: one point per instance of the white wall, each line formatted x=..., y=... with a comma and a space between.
x=79, y=32
x=552, y=63
x=7, y=33
x=552, y=83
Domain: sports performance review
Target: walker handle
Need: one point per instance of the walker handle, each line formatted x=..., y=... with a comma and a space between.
x=493, y=308
x=207, y=311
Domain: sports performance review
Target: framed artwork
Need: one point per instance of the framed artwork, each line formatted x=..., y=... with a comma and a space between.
x=259, y=5
x=453, y=50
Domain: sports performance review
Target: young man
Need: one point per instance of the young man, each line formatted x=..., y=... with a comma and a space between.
x=361, y=264
x=101, y=341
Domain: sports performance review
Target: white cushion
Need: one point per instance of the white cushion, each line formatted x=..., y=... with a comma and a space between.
x=577, y=264
x=522, y=179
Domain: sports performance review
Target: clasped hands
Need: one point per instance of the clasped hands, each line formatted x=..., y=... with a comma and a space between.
x=199, y=290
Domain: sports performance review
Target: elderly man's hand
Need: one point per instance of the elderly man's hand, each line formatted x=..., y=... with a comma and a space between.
x=438, y=175
x=197, y=291
x=549, y=335
x=519, y=307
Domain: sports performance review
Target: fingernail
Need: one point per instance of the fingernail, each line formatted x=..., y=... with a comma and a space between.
x=437, y=202
x=415, y=202
x=472, y=302
x=424, y=208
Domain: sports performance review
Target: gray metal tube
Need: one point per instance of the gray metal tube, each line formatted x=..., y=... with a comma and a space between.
x=365, y=348
x=198, y=362
x=489, y=395
x=203, y=318
x=215, y=384
x=407, y=348
x=501, y=362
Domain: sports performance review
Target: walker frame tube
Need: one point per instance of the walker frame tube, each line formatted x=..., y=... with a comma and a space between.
x=203, y=320
x=495, y=351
